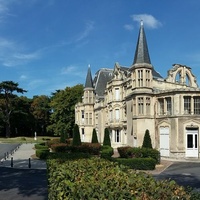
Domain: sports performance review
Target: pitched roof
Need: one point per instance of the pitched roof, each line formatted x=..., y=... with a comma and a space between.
x=102, y=77
x=88, y=82
x=141, y=53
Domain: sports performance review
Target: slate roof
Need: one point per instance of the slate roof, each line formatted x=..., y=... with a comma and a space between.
x=141, y=53
x=100, y=80
x=89, y=82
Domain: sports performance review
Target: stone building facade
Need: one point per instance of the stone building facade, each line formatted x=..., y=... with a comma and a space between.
x=129, y=100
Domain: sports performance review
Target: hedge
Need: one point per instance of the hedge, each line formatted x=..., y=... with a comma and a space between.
x=106, y=152
x=42, y=153
x=137, y=163
x=138, y=152
x=97, y=178
x=41, y=146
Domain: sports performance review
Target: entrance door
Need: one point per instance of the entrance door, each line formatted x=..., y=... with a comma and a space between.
x=192, y=143
x=164, y=141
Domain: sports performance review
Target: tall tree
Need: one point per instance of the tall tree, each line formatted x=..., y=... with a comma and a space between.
x=63, y=109
x=106, y=140
x=7, y=88
x=94, y=136
x=40, y=109
x=76, y=136
x=147, y=140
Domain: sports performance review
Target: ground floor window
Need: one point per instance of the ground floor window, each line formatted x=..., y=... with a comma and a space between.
x=117, y=135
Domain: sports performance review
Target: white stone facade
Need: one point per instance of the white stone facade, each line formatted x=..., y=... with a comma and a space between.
x=138, y=98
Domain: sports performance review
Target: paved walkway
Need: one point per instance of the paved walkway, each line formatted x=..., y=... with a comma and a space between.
x=21, y=182
x=21, y=158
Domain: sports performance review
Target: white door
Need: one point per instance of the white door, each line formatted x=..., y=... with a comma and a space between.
x=192, y=143
x=164, y=141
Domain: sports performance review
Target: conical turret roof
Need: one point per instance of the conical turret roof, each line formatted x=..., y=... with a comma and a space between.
x=89, y=82
x=141, y=53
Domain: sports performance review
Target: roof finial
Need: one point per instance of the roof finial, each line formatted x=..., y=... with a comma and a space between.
x=141, y=22
x=89, y=66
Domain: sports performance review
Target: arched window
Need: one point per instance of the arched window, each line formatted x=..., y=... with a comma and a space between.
x=178, y=77
x=187, y=80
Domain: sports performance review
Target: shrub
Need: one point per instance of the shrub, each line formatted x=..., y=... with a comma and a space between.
x=125, y=152
x=53, y=141
x=94, y=136
x=106, y=140
x=63, y=137
x=41, y=146
x=76, y=136
x=106, y=152
x=147, y=140
x=96, y=178
x=61, y=147
x=42, y=153
x=137, y=163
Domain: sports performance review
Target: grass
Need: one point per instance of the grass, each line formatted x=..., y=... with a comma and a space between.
x=26, y=139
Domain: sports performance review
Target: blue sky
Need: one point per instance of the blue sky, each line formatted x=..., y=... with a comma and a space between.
x=47, y=45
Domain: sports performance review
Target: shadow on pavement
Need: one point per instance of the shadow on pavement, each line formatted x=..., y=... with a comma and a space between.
x=20, y=184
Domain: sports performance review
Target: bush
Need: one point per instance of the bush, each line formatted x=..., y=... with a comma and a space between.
x=147, y=140
x=94, y=136
x=41, y=146
x=137, y=163
x=76, y=136
x=125, y=152
x=96, y=178
x=138, y=152
x=106, y=140
x=59, y=147
x=53, y=141
x=106, y=152
x=42, y=153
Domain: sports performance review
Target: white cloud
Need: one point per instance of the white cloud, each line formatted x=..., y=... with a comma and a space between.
x=149, y=20
x=23, y=77
x=88, y=28
x=129, y=27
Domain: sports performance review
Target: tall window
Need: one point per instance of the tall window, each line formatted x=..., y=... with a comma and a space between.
x=86, y=118
x=140, y=78
x=140, y=106
x=187, y=105
x=90, y=118
x=117, y=135
x=117, y=94
x=90, y=97
x=148, y=78
x=169, y=105
x=148, y=106
x=197, y=105
x=161, y=106
x=117, y=115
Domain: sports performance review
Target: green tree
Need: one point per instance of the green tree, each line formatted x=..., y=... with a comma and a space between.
x=63, y=109
x=94, y=136
x=22, y=119
x=7, y=88
x=63, y=137
x=76, y=136
x=40, y=109
x=147, y=140
x=106, y=140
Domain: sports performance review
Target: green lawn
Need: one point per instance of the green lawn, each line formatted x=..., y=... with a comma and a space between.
x=26, y=139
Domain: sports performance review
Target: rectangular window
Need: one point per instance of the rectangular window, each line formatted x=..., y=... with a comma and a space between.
x=117, y=94
x=148, y=78
x=140, y=78
x=86, y=118
x=187, y=105
x=169, y=105
x=82, y=114
x=140, y=106
x=161, y=106
x=117, y=115
x=196, y=105
x=117, y=136
x=148, y=106
x=90, y=118
x=90, y=97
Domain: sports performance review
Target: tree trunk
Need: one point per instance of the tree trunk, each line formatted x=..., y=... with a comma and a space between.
x=8, y=132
